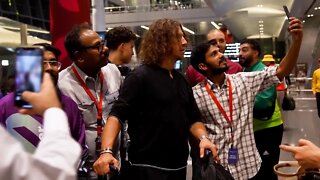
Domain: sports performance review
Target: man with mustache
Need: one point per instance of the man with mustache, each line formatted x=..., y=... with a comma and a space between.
x=226, y=102
x=194, y=77
x=90, y=81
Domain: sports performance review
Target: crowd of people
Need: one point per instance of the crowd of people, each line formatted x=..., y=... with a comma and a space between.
x=98, y=117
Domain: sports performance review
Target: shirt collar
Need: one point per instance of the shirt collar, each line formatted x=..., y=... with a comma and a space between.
x=83, y=75
x=215, y=86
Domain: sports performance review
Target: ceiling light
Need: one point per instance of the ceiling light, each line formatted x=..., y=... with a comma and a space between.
x=261, y=25
x=260, y=21
x=5, y=62
x=215, y=25
x=316, y=8
x=261, y=28
x=145, y=27
x=188, y=30
x=220, y=24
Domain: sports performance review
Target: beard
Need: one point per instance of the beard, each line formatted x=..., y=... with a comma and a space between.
x=245, y=62
x=216, y=71
x=219, y=70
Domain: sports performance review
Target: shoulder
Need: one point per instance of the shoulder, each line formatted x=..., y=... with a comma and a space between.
x=7, y=100
x=68, y=101
x=110, y=69
x=69, y=105
x=65, y=74
x=260, y=66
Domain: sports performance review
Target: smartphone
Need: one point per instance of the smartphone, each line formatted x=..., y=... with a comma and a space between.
x=28, y=73
x=286, y=10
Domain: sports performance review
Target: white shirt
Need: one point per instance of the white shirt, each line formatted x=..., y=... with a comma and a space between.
x=56, y=157
x=70, y=86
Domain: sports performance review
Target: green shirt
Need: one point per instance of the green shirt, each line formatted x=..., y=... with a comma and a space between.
x=264, y=98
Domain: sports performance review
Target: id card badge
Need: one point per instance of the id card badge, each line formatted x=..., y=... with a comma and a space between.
x=233, y=156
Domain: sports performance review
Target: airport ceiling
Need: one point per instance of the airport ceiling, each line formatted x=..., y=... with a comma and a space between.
x=247, y=18
x=261, y=18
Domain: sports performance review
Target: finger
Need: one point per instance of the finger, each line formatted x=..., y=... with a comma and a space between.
x=27, y=95
x=215, y=154
x=303, y=142
x=291, y=149
x=47, y=82
x=25, y=111
x=201, y=152
x=295, y=27
x=116, y=164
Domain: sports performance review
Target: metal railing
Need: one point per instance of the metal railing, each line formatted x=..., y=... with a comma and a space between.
x=154, y=7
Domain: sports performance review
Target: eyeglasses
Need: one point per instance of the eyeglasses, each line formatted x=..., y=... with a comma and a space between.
x=56, y=64
x=98, y=46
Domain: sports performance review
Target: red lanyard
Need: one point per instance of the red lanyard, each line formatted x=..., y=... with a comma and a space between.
x=219, y=105
x=92, y=97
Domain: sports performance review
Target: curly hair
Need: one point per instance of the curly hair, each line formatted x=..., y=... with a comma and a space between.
x=72, y=41
x=118, y=35
x=157, y=41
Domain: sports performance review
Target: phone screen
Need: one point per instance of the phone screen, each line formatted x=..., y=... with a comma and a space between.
x=28, y=72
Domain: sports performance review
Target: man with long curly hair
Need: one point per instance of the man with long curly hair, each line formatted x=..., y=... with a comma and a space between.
x=161, y=111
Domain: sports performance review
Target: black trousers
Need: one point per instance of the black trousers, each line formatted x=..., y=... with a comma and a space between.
x=148, y=173
x=268, y=141
x=318, y=102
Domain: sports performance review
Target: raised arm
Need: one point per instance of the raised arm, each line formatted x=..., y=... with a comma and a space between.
x=289, y=61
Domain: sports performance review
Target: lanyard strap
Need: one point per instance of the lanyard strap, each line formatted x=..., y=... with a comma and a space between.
x=92, y=97
x=214, y=98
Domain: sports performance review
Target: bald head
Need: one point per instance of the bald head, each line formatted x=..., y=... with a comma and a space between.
x=219, y=37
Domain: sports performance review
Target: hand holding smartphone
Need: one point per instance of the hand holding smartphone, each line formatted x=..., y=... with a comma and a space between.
x=28, y=72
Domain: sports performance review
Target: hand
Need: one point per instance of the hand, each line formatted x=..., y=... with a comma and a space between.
x=207, y=144
x=43, y=100
x=307, y=153
x=102, y=165
x=295, y=28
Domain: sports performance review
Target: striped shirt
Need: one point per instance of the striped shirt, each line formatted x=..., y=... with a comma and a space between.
x=245, y=86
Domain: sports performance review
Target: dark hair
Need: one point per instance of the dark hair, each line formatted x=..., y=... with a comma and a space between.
x=119, y=35
x=49, y=47
x=198, y=54
x=253, y=43
x=157, y=40
x=72, y=41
